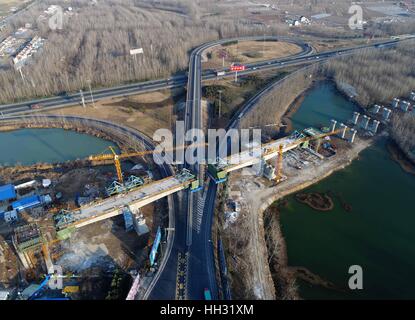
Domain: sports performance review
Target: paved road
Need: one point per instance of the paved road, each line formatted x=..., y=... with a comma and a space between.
x=193, y=222
x=178, y=81
x=130, y=89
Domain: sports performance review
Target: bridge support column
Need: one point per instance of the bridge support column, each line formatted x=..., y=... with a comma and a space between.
x=375, y=126
x=353, y=135
x=333, y=125
x=365, y=122
x=355, y=117
x=344, y=127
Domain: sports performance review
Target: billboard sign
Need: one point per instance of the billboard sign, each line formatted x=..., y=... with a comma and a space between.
x=136, y=51
x=154, y=249
x=237, y=67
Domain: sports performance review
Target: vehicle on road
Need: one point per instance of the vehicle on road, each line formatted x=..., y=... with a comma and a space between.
x=35, y=106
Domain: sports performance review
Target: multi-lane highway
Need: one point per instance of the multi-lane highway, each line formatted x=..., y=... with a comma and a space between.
x=196, y=249
x=188, y=266
x=305, y=56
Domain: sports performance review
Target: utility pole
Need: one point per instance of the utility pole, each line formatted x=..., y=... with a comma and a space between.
x=90, y=91
x=21, y=73
x=82, y=98
x=220, y=103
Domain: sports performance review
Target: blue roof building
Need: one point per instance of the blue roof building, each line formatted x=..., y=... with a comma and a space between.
x=26, y=203
x=7, y=192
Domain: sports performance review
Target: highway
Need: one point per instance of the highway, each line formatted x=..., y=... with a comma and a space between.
x=189, y=245
x=190, y=267
x=305, y=56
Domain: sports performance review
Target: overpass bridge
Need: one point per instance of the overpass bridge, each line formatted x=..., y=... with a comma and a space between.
x=68, y=221
x=254, y=155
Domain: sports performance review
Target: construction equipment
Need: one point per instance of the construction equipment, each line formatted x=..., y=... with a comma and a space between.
x=116, y=158
x=301, y=141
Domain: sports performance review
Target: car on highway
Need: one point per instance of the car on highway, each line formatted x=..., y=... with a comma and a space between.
x=35, y=106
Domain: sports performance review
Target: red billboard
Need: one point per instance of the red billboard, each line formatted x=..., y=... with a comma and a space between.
x=237, y=67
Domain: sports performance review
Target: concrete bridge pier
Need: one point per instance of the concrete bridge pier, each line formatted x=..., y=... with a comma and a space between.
x=395, y=103
x=365, y=122
x=355, y=117
x=333, y=125
x=344, y=127
x=386, y=113
x=352, y=135
x=375, y=126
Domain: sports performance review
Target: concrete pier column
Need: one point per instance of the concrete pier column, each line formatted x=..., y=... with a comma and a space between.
x=355, y=117
x=376, y=108
x=395, y=103
x=352, y=135
x=405, y=106
x=344, y=127
x=386, y=113
x=375, y=126
x=365, y=122
x=333, y=125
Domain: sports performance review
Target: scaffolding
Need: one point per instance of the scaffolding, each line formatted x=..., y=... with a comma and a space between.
x=63, y=218
x=131, y=183
x=27, y=237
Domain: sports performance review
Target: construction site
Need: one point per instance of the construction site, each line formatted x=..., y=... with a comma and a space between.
x=42, y=207
x=257, y=263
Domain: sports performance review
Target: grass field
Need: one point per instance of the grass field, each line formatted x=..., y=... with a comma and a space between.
x=249, y=52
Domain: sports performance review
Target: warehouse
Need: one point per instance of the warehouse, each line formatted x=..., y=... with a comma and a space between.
x=26, y=203
x=7, y=192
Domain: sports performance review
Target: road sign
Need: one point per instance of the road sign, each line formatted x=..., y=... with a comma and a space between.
x=237, y=67
x=136, y=51
x=156, y=244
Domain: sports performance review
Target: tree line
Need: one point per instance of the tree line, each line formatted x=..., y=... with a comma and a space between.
x=94, y=44
x=377, y=75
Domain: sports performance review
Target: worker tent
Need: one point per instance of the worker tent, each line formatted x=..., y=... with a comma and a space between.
x=7, y=192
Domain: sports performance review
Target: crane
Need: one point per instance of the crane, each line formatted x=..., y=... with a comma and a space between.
x=116, y=158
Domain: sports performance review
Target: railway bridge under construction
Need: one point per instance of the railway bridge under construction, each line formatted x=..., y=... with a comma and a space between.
x=135, y=198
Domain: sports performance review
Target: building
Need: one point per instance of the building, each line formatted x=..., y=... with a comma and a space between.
x=26, y=203
x=7, y=192
x=10, y=216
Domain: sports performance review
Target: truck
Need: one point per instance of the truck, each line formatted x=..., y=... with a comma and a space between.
x=207, y=294
x=220, y=73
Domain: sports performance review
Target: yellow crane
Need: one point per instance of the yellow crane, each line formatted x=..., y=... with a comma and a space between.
x=116, y=158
